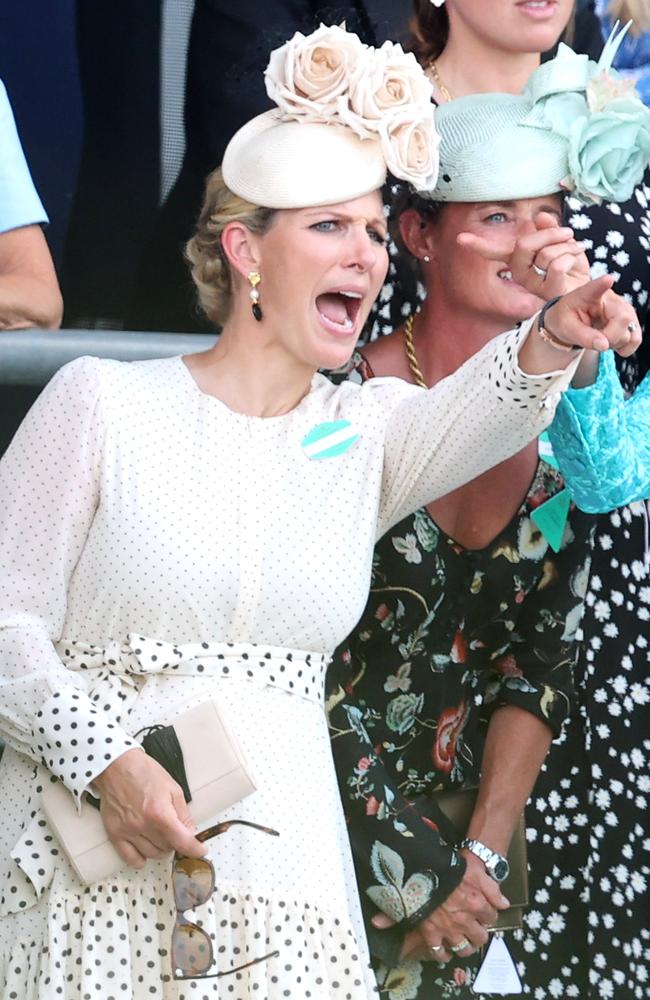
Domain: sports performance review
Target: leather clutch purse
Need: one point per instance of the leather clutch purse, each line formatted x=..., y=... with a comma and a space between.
x=217, y=776
x=458, y=805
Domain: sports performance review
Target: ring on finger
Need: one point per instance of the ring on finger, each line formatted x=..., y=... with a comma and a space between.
x=460, y=946
x=631, y=327
x=436, y=947
x=541, y=271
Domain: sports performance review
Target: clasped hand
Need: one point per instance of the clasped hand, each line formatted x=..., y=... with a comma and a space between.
x=144, y=811
x=464, y=916
x=548, y=261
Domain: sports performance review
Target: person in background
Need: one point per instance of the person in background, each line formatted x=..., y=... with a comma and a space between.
x=459, y=672
x=587, y=929
x=124, y=267
x=633, y=58
x=29, y=291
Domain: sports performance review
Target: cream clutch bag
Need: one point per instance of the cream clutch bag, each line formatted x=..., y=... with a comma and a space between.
x=218, y=775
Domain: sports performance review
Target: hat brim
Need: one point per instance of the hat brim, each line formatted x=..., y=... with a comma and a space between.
x=288, y=164
x=489, y=153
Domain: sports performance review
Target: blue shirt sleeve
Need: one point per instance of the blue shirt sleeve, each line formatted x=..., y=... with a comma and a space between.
x=602, y=441
x=19, y=202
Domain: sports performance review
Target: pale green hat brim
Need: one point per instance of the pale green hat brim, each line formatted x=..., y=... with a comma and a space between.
x=488, y=153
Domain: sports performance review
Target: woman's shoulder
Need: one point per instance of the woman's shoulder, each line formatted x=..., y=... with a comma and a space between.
x=91, y=378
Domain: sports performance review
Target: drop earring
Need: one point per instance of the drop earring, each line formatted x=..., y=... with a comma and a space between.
x=254, y=278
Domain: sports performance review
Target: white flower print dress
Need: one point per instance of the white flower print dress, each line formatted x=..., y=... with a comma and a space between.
x=158, y=549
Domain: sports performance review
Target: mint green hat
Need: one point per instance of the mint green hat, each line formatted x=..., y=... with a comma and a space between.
x=577, y=127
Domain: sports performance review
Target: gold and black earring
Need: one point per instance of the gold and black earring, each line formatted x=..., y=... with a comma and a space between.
x=254, y=278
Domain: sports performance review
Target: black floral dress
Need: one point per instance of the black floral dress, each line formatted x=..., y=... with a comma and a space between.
x=448, y=636
x=587, y=932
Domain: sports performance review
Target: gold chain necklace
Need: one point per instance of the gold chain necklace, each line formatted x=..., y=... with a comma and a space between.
x=437, y=79
x=409, y=348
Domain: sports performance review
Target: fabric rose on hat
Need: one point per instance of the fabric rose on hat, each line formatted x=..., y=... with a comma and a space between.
x=610, y=150
x=411, y=149
x=392, y=82
x=306, y=77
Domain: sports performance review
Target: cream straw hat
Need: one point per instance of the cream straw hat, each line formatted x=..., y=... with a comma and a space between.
x=346, y=114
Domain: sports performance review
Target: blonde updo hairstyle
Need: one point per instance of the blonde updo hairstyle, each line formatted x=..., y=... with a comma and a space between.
x=211, y=271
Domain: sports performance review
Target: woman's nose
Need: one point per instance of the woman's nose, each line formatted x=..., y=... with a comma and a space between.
x=525, y=226
x=362, y=251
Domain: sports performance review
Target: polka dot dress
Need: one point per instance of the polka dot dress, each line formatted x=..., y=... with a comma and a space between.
x=135, y=510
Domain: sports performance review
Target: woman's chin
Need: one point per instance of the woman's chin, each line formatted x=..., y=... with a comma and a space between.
x=521, y=304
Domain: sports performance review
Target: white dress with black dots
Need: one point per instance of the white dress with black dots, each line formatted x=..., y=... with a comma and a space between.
x=136, y=510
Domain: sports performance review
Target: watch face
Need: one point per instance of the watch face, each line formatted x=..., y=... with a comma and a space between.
x=501, y=870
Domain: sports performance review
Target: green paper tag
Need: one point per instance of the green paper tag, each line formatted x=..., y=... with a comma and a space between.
x=551, y=518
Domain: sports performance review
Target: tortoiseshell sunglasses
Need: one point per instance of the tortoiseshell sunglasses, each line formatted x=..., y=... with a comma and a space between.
x=193, y=880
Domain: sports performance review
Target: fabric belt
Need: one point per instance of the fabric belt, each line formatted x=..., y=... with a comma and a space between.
x=117, y=673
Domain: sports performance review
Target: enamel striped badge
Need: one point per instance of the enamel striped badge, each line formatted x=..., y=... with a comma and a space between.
x=330, y=439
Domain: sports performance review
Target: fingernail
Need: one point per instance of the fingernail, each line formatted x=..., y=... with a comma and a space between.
x=505, y=900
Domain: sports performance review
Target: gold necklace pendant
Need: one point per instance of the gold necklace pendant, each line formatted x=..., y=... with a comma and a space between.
x=411, y=357
x=437, y=79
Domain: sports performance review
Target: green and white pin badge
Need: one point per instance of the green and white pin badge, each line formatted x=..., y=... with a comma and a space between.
x=329, y=439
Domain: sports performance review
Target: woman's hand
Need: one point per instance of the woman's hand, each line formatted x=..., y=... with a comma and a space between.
x=144, y=810
x=464, y=916
x=581, y=319
x=594, y=316
x=548, y=261
x=617, y=312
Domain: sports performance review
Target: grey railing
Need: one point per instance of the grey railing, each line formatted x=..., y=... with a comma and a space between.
x=31, y=357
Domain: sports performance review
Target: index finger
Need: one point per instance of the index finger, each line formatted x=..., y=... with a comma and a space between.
x=498, y=248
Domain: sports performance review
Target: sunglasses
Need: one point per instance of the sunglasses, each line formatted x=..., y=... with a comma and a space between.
x=193, y=880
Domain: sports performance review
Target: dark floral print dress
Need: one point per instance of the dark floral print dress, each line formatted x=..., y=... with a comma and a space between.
x=448, y=636
x=587, y=931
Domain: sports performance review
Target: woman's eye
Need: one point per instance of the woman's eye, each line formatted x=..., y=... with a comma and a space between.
x=326, y=226
x=377, y=237
x=498, y=217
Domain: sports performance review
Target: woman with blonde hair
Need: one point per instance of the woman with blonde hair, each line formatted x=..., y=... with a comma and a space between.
x=189, y=528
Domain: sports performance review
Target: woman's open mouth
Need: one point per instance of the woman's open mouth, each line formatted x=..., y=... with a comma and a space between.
x=338, y=310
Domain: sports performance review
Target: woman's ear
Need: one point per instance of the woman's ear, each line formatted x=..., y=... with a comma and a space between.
x=416, y=234
x=240, y=249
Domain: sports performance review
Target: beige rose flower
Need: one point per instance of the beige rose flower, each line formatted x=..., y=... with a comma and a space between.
x=392, y=82
x=310, y=77
x=411, y=149
x=605, y=88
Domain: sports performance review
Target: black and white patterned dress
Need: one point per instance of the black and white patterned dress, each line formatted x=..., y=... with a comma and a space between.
x=588, y=927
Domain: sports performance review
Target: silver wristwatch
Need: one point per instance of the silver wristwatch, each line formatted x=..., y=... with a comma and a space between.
x=495, y=864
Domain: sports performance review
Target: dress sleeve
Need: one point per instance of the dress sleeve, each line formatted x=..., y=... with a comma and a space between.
x=535, y=673
x=602, y=441
x=405, y=865
x=49, y=492
x=440, y=438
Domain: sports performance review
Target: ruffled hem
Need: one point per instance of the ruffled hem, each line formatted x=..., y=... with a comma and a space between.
x=113, y=941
